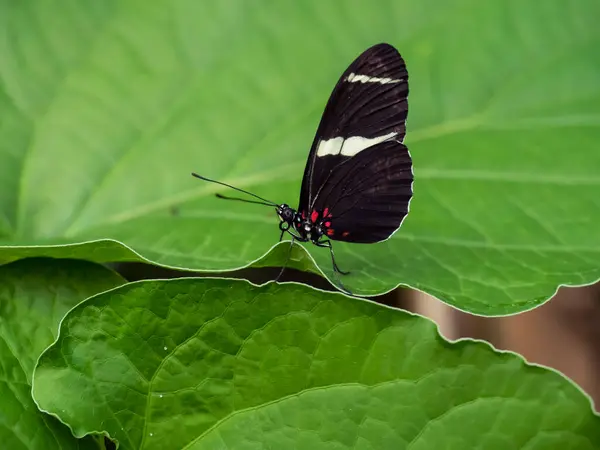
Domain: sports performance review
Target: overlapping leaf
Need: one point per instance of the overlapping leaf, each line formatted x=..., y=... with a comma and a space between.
x=106, y=107
x=221, y=364
x=34, y=296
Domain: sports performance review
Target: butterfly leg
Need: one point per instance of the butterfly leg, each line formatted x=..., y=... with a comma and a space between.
x=336, y=269
x=287, y=259
x=283, y=227
x=327, y=244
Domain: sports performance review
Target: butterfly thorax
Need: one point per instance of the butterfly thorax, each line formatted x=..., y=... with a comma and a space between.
x=308, y=228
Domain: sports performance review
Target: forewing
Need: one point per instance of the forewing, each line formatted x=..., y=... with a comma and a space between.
x=367, y=197
x=368, y=105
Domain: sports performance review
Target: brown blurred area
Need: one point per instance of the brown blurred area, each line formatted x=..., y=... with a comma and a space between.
x=563, y=333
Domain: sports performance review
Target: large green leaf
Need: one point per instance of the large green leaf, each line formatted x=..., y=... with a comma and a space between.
x=34, y=297
x=106, y=107
x=222, y=364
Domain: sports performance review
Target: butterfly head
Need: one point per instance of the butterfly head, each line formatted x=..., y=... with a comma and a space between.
x=286, y=214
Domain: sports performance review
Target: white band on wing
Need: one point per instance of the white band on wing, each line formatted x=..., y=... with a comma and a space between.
x=351, y=146
x=354, y=78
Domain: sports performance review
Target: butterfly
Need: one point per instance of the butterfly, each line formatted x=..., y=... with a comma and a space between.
x=357, y=184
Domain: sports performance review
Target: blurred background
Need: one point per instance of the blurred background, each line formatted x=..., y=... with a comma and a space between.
x=562, y=334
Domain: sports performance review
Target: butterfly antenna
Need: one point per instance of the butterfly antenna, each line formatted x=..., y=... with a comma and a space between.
x=264, y=201
x=245, y=200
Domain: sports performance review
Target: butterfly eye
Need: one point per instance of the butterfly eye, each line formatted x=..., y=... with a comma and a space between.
x=285, y=213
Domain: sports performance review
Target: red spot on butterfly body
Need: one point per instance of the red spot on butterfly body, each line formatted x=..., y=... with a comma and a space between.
x=327, y=224
x=304, y=214
x=330, y=232
x=314, y=216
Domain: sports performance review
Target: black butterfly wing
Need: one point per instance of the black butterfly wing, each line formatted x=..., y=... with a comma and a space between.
x=366, y=198
x=363, y=123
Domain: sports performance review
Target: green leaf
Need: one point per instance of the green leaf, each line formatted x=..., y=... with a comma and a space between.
x=106, y=107
x=221, y=364
x=34, y=297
